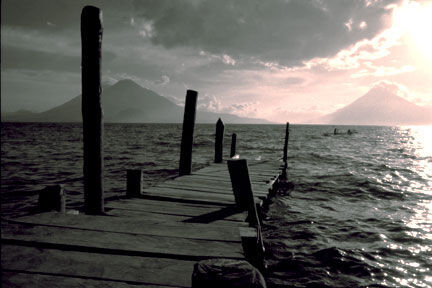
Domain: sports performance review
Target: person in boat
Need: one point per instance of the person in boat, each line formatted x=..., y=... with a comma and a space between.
x=349, y=132
x=335, y=131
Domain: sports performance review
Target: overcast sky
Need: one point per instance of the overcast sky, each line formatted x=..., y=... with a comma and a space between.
x=283, y=60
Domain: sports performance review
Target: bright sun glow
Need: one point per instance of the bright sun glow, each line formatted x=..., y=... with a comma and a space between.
x=415, y=21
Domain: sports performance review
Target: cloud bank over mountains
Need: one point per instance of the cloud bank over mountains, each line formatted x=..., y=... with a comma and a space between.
x=283, y=60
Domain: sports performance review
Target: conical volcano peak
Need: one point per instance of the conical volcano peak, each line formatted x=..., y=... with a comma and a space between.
x=127, y=84
x=386, y=89
x=126, y=81
x=381, y=105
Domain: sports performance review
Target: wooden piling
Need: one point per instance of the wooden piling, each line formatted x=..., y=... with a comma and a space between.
x=285, y=151
x=134, y=183
x=52, y=198
x=185, y=166
x=233, y=145
x=219, y=141
x=91, y=38
x=242, y=188
x=243, y=194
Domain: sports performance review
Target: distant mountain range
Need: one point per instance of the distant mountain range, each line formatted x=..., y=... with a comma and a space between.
x=126, y=102
x=380, y=107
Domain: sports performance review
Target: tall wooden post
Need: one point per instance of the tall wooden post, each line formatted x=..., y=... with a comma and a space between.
x=185, y=166
x=233, y=145
x=242, y=188
x=285, y=152
x=219, y=141
x=91, y=38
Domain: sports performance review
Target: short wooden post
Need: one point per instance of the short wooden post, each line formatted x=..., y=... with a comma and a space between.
x=233, y=145
x=285, y=151
x=134, y=183
x=185, y=166
x=220, y=127
x=91, y=38
x=242, y=188
x=52, y=198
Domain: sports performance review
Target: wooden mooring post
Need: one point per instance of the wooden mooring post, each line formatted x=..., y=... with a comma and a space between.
x=244, y=198
x=185, y=166
x=91, y=38
x=52, y=198
x=134, y=183
x=285, y=152
x=242, y=188
x=233, y=145
x=220, y=127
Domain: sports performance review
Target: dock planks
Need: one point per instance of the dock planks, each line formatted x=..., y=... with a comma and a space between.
x=149, y=241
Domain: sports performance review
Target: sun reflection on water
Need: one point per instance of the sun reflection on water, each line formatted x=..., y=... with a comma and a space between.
x=418, y=141
x=421, y=139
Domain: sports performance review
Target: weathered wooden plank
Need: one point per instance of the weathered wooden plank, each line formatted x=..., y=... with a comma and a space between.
x=207, y=185
x=221, y=168
x=104, y=268
x=167, y=207
x=156, y=218
x=223, y=173
x=216, y=184
x=146, y=202
x=119, y=243
x=138, y=226
x=223, y=180
x=177, y=210
x=191, y=195
x=220, y=182
x=188, y=194
x=200, y=187
x=47, y=279
x=261, y=190
x=166, y=218
x=255, y=166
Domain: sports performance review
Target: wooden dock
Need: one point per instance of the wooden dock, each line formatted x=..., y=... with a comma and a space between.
x=152, y=240
x=148, y=238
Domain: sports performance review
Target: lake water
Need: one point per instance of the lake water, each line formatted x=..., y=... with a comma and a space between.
x=358, y=212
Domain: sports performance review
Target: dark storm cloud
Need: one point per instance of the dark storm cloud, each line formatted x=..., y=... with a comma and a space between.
x=281, y=30
x=28, y=59
x=60, y=14
x=23, y=58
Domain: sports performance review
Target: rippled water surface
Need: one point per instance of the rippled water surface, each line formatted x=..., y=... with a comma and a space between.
x=358, y=212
